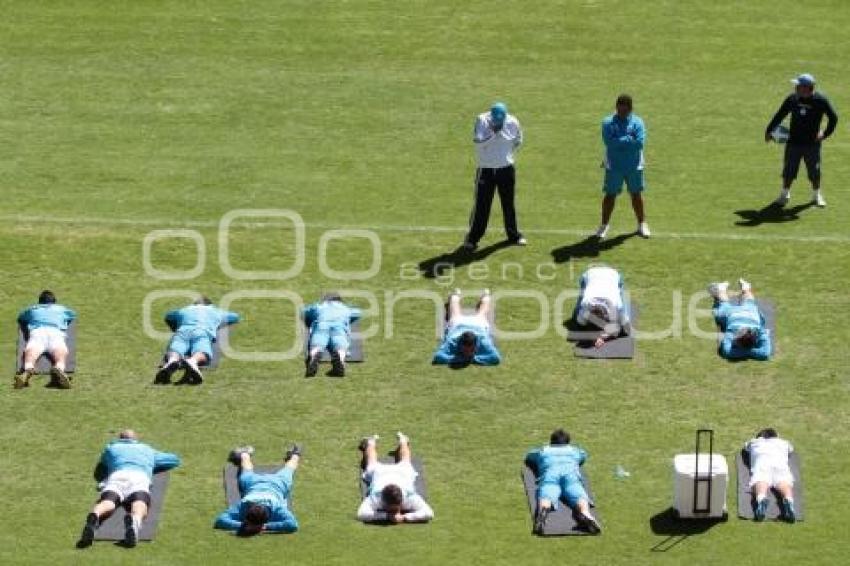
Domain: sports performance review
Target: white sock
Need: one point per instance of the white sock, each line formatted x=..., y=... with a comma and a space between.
x=29, y=367
x=785, y=193
x=760, y=498
x=137, y=522
x=60, y=366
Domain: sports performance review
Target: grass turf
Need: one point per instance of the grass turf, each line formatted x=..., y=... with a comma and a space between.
x=159, y=115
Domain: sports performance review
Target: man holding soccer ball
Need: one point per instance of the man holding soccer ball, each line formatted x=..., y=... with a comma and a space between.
x=807, y=109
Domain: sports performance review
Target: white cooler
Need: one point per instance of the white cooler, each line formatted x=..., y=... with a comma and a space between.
x=684, y=471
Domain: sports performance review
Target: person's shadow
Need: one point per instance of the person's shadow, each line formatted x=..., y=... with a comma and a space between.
x=772, y=213
x=591, y=246
x=439, y=265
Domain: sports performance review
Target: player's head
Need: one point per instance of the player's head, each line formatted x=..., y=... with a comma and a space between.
x=559, y=437
x=254, y=516
x=468, y=342
x=392, y=498
x=624, y=105
x=804, y=85
x=331, y=296
x=498, y=113
x=46, y=297
x=746, y=338
x=767, y=433
x=128, y=434
x=202, y=300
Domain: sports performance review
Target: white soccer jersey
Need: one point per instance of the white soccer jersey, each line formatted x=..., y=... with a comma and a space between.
x=602, y=288
x=402, y=474
x=769, y=460
x=496, y=149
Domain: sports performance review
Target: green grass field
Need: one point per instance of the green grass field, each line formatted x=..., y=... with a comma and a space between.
x=117, y=120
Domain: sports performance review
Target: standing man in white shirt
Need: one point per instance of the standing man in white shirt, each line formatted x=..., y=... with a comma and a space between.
x=769, y=469
x=497, y=135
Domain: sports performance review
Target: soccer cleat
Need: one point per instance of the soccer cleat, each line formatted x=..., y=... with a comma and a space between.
x=193, y=375
x=166, y=370
x=59, y=379
x=590, y=524
x=364, y=443
x=235, y=456
x=485, y=293
x=718, y=289
x=746, y=287
x=783, y=198
x=521, y=241
x=312, y=365
x=402, y=438
x=337, y=365
x=643, y=230
x=789, y=514
x=23, y=379
x=540, y=519
x=602, y=231
x=818, y=200
x=294, y=450
x=131, y=532
x=87, y=536
x=760, y=511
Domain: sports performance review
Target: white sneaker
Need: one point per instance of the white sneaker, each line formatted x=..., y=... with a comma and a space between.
x=602, y=231
x=718, y=289
x=818, y=199
x=783, y=198
x=402, y=438
x=643, y=230
x=486, y=292
x=745, y=285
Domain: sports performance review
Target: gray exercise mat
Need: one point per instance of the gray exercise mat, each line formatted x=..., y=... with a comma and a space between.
x=561, y=522
x=768, y=309
x=622, y=347
x=420, y=476
x=231, y=481
x=355, y=348
x=745, y=496
x=113, y=527
x=43, y=363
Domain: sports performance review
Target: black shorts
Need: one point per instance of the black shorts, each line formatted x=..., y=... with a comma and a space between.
x=810, y=153
x=128, y=502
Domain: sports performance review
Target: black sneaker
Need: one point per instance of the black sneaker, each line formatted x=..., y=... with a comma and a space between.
x=294, y=450
x=337, y=366
x=87, y=536
x=312, y=365
x=163, y=376
x=193, y=375
x=235, y=456
x=590, y=524
x=540, y=519
x=131, y=533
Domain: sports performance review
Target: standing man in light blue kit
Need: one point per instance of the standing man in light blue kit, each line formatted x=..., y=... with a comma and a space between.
x=329, y=322
x=44, y=326
x=195, y=328
x=624, y=135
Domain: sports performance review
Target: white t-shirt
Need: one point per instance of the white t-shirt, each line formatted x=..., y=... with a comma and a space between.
x=603, y=289
x=769, y=452
x=496, y=149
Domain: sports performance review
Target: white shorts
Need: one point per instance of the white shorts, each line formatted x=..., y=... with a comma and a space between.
x=46, y=339
x=126, y=483
x=771, y=475
x=470, y=320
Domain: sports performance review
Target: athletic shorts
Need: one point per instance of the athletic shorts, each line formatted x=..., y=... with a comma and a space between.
x=808, y=153
x=771, y=475
x=189, y=342
x=614, y=179
x=568, y=488
x=473, y=320
x=125, y=483
x=46, y=339
x=332, y=339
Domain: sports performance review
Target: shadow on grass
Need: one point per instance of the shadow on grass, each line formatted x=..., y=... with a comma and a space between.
x=772, y=213
x=591, y=246
x=438, y=265
x=677, y=530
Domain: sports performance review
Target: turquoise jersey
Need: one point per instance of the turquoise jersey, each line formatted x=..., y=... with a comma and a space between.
x=202, y=318
x=624, y=139
x=128, y=454
x=554, y=462
x=270, y=490
x=46, y=316
x=486, y=353
x=330, y=315
x=732, y=318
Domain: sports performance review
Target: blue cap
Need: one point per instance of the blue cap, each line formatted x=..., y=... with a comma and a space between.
x=499, y=110
x=805, y=80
